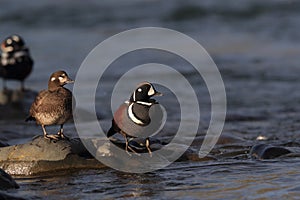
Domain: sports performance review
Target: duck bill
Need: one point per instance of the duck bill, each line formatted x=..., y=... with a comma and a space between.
x=70, y=81
x=158, y=94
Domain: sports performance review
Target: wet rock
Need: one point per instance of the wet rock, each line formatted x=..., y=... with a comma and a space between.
x=3, y=144
x=6, y=181
x=42, y=155
x=225, y=138
x=265, y=151
x=138, y=145
x=232, y=154
x=192, y=155
x=4, y=196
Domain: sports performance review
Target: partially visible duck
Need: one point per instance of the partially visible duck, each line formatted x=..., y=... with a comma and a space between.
x=16, y=62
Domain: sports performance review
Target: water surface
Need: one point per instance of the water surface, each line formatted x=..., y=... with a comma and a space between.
x=254, y=44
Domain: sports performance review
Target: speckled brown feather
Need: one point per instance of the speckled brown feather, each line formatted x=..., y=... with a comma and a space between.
x=52, y=107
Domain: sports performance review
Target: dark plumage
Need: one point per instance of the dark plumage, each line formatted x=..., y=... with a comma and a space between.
x=132, y=118
x=16, y=62
x=53, y=106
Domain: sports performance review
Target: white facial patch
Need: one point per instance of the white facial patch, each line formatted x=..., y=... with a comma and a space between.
x=60, y=79
x=151, y=91
x=53, y=79
x=140, y=90
x=8, y=41
x=15, y=38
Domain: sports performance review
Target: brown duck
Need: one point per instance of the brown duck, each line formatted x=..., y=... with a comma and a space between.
x=53, y=106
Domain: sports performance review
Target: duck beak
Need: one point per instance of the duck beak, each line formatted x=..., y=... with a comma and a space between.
x=69, y=81
x=158, y=94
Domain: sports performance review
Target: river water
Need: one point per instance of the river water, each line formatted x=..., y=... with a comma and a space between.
x=255, y=45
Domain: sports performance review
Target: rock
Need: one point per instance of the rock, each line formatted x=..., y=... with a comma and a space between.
x=142, y=161
x=137, y=144
x=42, y=155
x=4, y=196
x=225, y=138
x=3, y=144
x=266, y=151
x=192, y=155
x=45, y=156
x=6, y=181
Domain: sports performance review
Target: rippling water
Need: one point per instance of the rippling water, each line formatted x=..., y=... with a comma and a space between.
x=221, y=180
x=256, y=47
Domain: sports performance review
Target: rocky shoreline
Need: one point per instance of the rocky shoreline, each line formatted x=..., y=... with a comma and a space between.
x=42, y=156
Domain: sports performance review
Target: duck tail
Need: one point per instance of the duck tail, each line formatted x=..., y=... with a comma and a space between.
x=29, y=118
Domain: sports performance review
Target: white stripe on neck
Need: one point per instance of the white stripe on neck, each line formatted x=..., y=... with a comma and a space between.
x=144, y=103
x=132, y=116
x=134, y=96
x=11, y=58
x=20, y=54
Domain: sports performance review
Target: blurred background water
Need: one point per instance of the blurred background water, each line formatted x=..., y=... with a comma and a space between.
x=255, y=45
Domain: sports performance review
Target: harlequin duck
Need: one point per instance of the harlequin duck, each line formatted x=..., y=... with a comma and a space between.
x=133, y=116
x=53, y=106
x=16, y=62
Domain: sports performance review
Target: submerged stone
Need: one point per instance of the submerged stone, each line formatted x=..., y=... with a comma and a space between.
x=6, y=181
x=224, y=139
x=5, y=196
x=3, y=144
x=266, y=151
x=43, y=155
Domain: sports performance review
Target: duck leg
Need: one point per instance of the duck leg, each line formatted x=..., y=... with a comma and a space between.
x=60, y=132
x=4, y=85
x=22, y=88
x=148, y=147
x=48, y=136
x=127, y=144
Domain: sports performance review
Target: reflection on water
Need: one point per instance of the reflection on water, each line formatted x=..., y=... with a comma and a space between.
x=256, y=47
x=212, y=180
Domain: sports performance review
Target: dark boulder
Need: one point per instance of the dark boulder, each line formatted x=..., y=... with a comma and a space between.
x=6, y=181
x=266, y=151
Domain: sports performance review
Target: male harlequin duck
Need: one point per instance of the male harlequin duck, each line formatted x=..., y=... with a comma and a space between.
x=133, y=116
x=16, y=63
x=53, y=106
